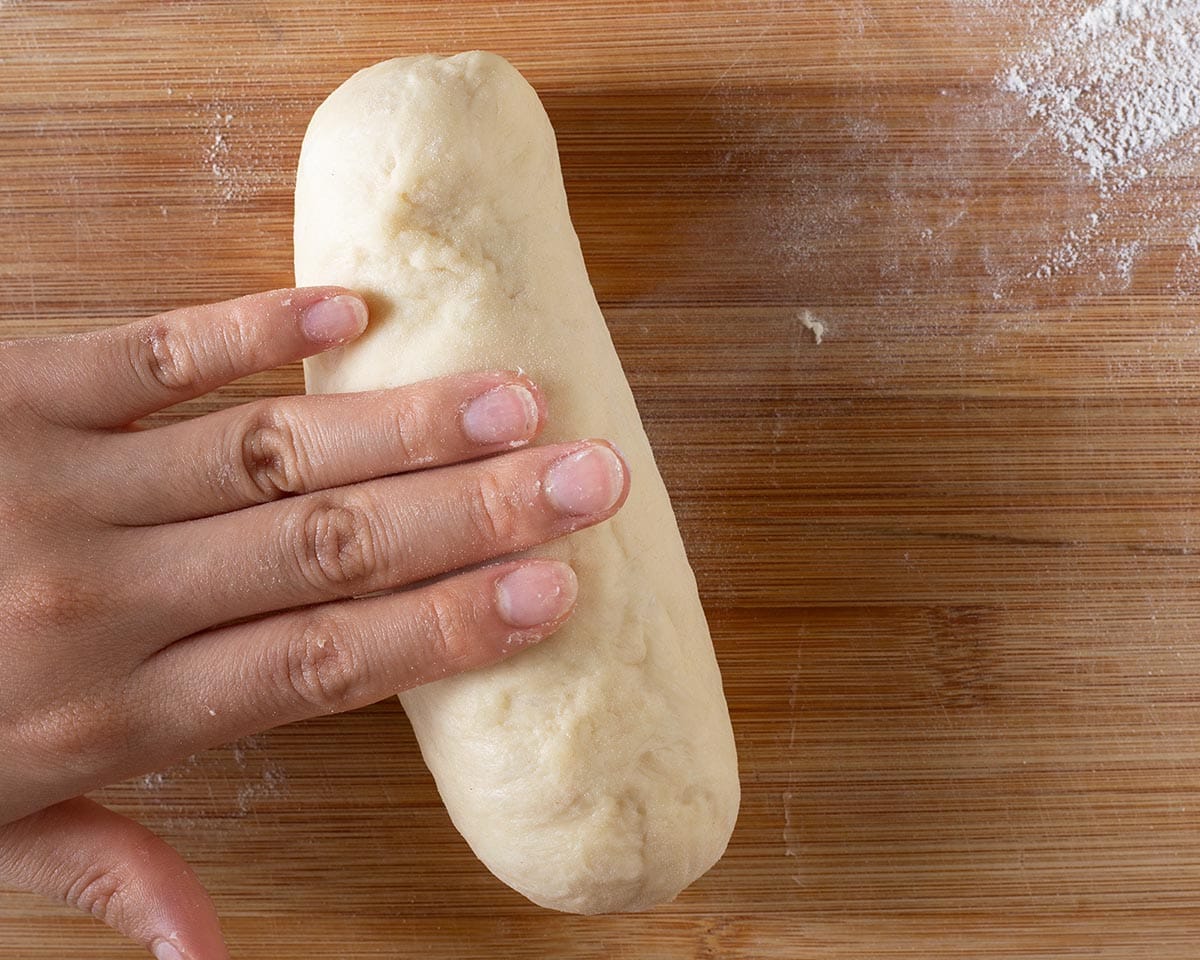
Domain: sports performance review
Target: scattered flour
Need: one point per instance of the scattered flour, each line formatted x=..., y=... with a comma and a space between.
x=1118, y=86
x=243, y=159
x=811, y=323
x=260, y=776
x=217, y=155
x=1115, y=86
x=1126, y=258
x=153, y=781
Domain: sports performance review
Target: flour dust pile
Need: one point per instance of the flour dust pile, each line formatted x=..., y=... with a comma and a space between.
x=1118, y=86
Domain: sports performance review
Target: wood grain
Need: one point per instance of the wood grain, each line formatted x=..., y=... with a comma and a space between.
x=949, y=555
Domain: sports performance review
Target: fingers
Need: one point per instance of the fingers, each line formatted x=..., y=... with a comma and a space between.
x=242, y=679
x=90, y=858
x=373, y=536
x=113, y=377
x=274, y=448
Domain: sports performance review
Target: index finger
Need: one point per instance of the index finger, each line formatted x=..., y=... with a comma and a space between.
x=112, y=377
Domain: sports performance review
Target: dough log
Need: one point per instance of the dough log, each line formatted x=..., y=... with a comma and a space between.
x=595, y=772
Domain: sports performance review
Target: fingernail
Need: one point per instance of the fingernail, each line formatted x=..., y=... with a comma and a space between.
x=166, y=950
x=586, y=482
x=504, y=414
x=536, y=593
x=334, y=320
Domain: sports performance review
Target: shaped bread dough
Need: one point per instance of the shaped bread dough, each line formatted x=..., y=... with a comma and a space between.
x=596, y=771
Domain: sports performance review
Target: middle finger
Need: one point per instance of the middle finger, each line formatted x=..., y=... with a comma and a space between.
x=271, y=449
x=378, y=535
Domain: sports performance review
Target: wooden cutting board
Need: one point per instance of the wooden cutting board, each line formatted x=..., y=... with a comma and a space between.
x=948, y=554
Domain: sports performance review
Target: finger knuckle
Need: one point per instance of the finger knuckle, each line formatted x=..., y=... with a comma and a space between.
x=82, y=734
x=449, y=632
x=51, y=600
x=99, y=890
x=319, y=670
x=334, y=546
x=163, y=358
x=493, y=511
x=410, y=423
x=271, y=455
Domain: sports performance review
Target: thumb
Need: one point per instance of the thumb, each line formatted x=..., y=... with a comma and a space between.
x=90, y=858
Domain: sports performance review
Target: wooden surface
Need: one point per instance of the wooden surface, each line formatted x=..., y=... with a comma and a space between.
x=949, y=554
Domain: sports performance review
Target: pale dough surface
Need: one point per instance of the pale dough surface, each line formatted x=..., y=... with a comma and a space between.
x=595, y=772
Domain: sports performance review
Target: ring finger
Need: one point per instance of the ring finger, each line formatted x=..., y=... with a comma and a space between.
x=245, y=678
x=372, y=536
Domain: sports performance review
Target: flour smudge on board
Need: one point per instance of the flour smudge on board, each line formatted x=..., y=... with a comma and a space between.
x=255, y=773
x=1116, y=86
x=240, y=148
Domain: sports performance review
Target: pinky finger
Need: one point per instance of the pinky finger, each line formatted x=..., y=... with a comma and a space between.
x=88, y=857
x=245, y=678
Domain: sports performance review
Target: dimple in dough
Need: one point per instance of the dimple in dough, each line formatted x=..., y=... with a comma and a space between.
x=595, y=772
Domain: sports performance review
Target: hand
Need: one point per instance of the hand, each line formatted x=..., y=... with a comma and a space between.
x=166, y=590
